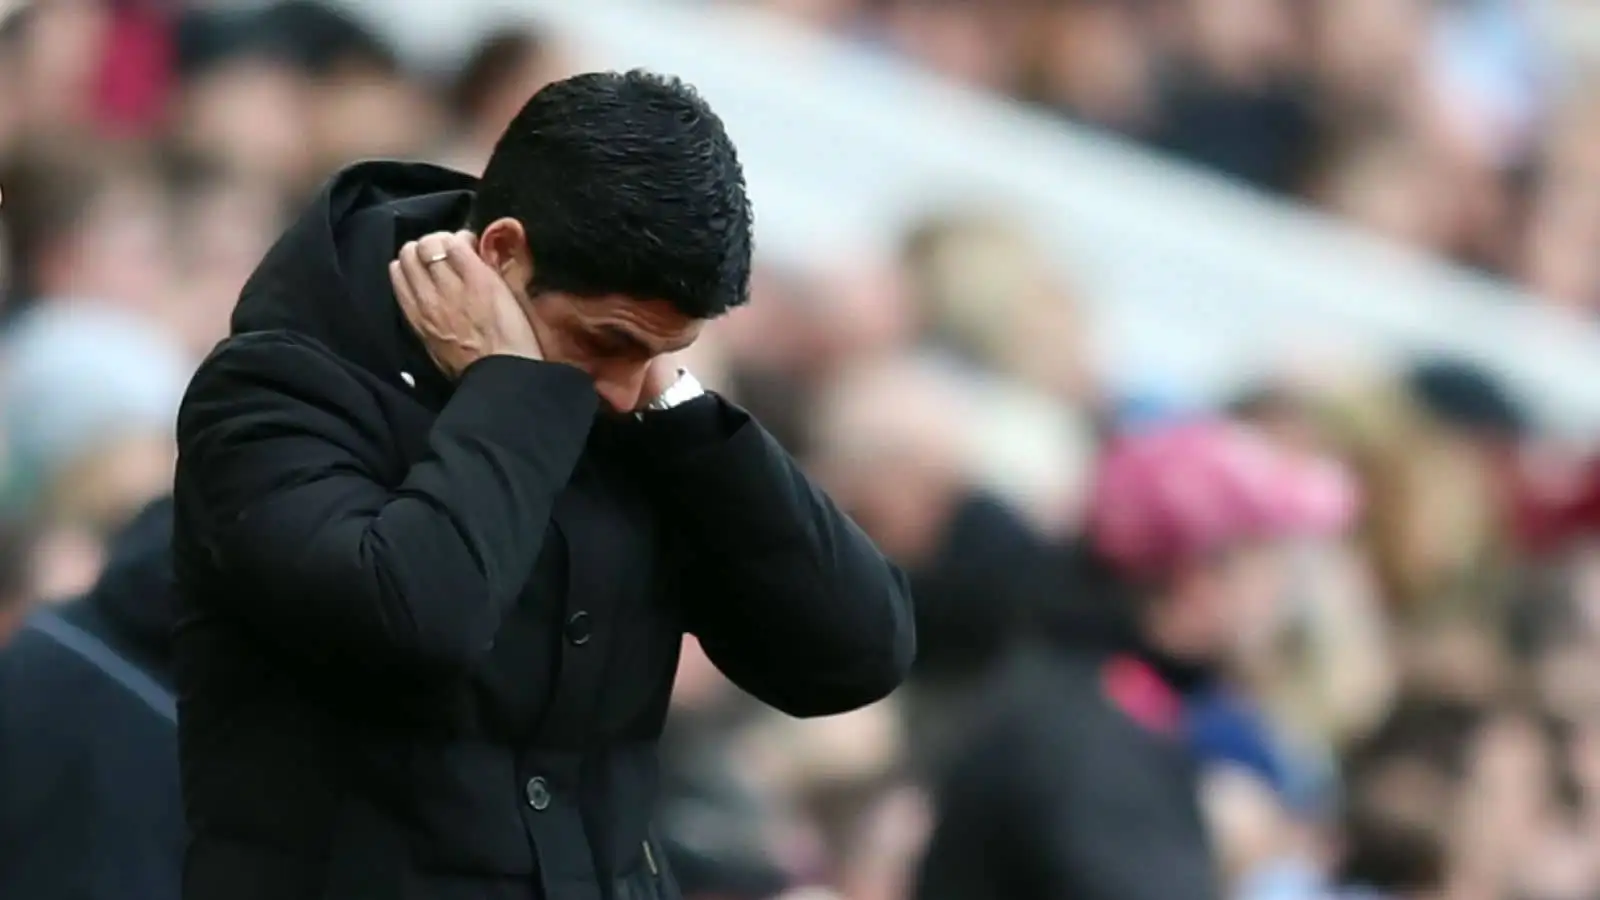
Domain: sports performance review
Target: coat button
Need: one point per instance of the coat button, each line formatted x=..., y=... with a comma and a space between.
x=538, y=794
x=578, y=628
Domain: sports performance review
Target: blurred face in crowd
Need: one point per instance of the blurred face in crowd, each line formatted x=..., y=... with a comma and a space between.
x=1503, y=813
x=894, y=454
x=1094, y=60
x=1560, y=262
x=1243, y=42
x=254, y=115
x=1461, y=661
x=67, y=561
x=533, y=71
x=116, y=252
x=1224, y=604
x=1369, y=50
x=107, y=486
x=59, y=64
x=365, y=113
x=222, y=234
x=1392, y=188
x=963, y=40
x=11, y=91
x=827, y=14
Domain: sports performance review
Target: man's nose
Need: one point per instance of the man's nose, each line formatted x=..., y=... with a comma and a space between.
x=620, y=389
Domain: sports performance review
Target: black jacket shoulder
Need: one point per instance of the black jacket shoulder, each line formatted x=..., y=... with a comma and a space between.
x=1060, y=794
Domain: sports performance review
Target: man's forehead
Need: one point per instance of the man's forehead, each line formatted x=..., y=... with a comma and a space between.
x=654, y=323
x=655, y=316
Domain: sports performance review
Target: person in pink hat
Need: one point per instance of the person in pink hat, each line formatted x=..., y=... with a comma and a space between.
x=1081, y=780
x=1195, y=520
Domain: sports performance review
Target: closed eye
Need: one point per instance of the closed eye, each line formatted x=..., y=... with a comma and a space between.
x=615, y=341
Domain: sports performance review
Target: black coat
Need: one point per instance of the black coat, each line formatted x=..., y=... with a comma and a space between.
x=1061, y=792
x=89, y=806
x=428, y=631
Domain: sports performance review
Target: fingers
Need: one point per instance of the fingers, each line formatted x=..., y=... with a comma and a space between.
x=443, y=263
x=460, y=250
x=412, y=275
x=402, y=292
x=424, y=290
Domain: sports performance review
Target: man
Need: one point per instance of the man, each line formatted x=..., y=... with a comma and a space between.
x=437, y=545
x=1080, y=781
x=89, y=806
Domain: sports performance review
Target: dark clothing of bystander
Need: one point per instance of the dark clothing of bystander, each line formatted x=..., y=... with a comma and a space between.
x=89, y=803
x=1076, y=782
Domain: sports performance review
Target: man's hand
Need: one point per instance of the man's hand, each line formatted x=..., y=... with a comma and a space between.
x=459, y=306
x=661, y=373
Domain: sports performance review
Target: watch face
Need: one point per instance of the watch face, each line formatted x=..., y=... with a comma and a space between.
x=686, y=388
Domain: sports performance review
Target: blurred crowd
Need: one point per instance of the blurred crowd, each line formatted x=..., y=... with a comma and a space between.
x=1412, y=709
x=1465, y=128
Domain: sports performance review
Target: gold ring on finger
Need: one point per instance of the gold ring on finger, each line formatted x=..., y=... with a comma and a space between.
x=437, y=258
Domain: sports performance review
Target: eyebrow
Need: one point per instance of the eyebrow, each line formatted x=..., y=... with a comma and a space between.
x=625, y=340
x=621, y=340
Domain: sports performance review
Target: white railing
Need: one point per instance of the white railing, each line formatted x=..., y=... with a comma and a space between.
x=1195, y=282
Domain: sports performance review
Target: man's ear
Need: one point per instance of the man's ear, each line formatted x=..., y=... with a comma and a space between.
x=504, y=246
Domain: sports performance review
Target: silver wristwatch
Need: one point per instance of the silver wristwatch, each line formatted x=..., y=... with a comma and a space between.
x=686, y=388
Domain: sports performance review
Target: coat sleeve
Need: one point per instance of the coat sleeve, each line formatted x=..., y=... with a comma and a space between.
x=340, y=554
x=787, y=596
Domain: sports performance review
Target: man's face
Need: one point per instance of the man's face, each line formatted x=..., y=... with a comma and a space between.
x=614, y=338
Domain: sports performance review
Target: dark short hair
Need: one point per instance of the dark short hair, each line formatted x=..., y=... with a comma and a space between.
x=625, y=184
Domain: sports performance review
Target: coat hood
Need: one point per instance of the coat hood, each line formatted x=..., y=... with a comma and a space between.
x=327, y=276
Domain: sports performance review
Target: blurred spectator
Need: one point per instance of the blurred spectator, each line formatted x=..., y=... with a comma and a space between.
x=89, y=805
x=1410, y=715
x=1430, y=121
x=90, y=396
x=968, y=40
x=17, y=578
x=245, y=98
x=1387, y=183
x=86, y=224
x=986, y=292
x=504, y=69
x=1077, y=772
x=222, y=224
x=362, y=106
x=1235, y=99
x=721, y=826
x=1093, y=61
x=59, y=55
x=1396, y=827
x=1559, y=261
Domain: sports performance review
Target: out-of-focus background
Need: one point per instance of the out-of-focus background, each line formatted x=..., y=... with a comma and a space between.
x=991, y=232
